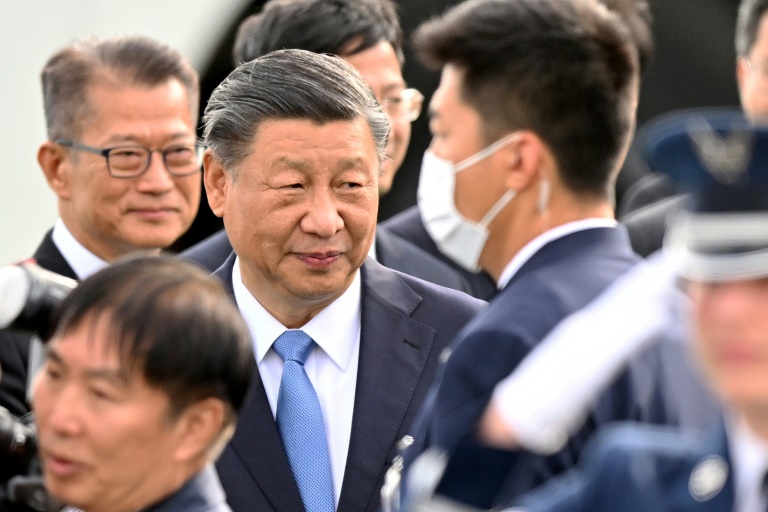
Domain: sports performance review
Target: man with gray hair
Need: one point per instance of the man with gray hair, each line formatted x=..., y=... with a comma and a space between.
x=345, y=347
x=366, y=34
x=110, y=105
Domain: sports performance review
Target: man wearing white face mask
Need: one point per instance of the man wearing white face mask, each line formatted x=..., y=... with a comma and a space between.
x=446, y=239
x=531, y=122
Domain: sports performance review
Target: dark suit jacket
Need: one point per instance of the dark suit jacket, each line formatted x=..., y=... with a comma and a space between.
x=557, y=280
x=646, y=191
x=14, y=346
x=647, y=226
x=409, y=226
x=201, y=493
x=633, y=468
x=406, y=324
x=391, y=251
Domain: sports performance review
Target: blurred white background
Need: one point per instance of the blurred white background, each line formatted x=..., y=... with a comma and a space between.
x=33, y=30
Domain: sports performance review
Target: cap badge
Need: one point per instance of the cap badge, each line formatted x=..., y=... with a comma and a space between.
x=724, y=157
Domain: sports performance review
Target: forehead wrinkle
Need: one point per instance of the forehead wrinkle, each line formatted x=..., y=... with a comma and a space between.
x=302, y=165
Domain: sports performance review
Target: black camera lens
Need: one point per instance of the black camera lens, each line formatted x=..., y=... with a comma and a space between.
x=28, y=296
x=18, y=445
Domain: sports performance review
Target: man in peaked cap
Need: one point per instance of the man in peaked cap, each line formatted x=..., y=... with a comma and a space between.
x=719, y=243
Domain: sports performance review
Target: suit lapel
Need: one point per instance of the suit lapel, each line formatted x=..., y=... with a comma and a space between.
x=259, y=446
x=260, y=449
x=50, y=258
x=394, y=349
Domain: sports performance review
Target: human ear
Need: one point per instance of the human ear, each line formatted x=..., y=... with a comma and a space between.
x=217, y=182
x=56, y=167
x=198, y=427
x=522, y=160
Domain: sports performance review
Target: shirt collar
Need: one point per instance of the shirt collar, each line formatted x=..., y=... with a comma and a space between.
x=82, y=261
x=335, y=329
x=372, y=250
x=543, y=239
x=749, y=455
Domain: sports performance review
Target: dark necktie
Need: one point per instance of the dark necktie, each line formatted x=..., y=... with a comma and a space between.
x=300, y=422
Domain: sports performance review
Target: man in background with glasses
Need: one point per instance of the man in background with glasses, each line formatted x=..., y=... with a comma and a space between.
x=122, y=159
x=367, y=34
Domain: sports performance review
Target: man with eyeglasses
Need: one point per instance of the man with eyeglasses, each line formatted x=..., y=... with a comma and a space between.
x=121, y=157
x=367, y=34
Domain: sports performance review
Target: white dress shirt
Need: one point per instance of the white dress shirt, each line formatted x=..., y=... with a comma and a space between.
x=543, y=239
x=749, y=457
x=331, y=367
x=82, y=261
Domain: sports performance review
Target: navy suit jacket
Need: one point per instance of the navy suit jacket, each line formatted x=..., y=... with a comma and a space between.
x=560, y=278
x=409, y=226
x=406, y=324
x=639, y=468
x=14, y=346
x=201, y=493
x=391, y=251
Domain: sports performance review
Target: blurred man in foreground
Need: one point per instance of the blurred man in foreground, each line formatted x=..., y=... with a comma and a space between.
x=141, y=387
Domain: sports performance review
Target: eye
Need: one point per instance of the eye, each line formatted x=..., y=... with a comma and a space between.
x=127, y=153
x=52, y=373
x=100, y=393
x=180, y=155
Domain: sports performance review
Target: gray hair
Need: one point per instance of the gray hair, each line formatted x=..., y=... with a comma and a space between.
x=121, y=60
x=747, y=23
x=287, y=84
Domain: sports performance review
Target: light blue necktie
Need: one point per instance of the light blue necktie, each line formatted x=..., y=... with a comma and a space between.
x=300, y=421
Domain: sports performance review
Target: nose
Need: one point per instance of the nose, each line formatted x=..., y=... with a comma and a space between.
x=322, y=218
x=57, y=411
x=156, y=179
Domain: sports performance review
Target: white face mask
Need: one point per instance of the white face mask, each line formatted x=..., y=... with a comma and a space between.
x=459, y=238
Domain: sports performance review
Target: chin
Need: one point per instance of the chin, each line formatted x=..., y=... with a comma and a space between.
x=150, y=241
x=65, y=494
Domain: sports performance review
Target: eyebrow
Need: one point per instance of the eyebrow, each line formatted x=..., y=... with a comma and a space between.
x=119, y=139
x=109, y=374
x=301, y=165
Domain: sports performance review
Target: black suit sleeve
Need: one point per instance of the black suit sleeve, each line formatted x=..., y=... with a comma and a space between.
x=14, y=354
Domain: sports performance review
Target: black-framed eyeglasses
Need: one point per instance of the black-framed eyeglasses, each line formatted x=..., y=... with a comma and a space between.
x=131, y=161
x=404, y=105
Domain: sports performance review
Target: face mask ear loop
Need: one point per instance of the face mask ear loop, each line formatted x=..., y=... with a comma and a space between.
x=500, y=204
x=484, y=153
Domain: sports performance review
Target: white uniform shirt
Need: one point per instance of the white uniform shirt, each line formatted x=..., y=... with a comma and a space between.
x=749, y=458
